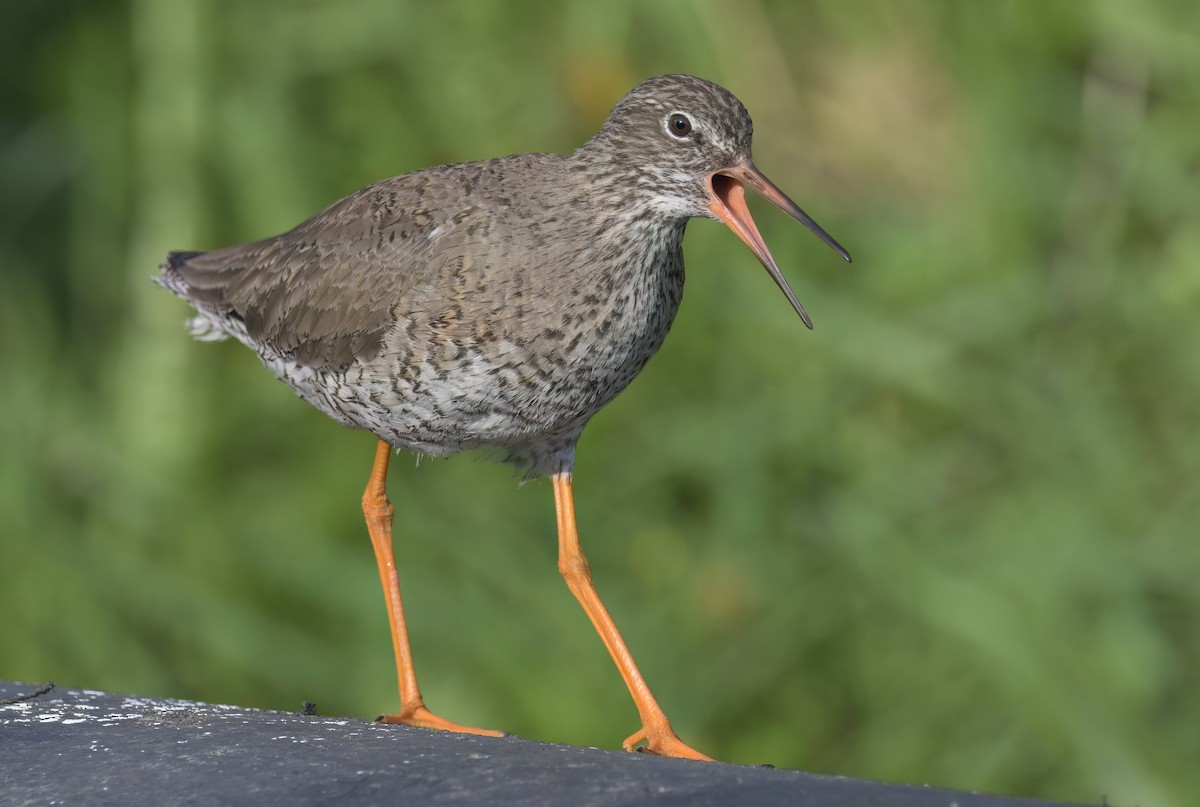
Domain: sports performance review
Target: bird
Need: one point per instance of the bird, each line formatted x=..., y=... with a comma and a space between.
x=496, y=305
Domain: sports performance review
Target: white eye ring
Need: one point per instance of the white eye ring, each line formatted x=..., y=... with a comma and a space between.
x=679, y=124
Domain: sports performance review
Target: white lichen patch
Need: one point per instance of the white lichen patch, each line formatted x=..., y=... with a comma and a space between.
x=56, y=710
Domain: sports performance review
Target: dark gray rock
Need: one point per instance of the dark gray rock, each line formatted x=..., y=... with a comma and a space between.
x=73, y=747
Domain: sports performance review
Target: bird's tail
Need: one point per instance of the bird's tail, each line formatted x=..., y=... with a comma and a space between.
x=204, y=327
x=169, y=275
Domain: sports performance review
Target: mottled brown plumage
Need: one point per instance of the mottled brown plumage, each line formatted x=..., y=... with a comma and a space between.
x=496, y=304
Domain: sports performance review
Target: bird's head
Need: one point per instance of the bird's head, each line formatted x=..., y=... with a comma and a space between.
x=686, y=143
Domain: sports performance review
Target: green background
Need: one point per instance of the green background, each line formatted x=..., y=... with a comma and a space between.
x=948, y=537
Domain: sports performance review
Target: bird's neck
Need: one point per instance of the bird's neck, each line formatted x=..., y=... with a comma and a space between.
x=630, y=235
x=620, y=193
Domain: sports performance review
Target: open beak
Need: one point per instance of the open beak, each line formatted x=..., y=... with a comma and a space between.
x=728, y=204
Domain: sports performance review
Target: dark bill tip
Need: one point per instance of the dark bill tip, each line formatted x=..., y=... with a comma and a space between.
x=767, y=189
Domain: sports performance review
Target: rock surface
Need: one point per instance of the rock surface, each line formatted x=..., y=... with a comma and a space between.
x=68, y=746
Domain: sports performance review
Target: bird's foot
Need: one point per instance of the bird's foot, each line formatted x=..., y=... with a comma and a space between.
x=422, y=718
x=662, y=741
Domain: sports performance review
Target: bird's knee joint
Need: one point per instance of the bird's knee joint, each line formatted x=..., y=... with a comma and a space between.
x=574, y=568
x=377, y=506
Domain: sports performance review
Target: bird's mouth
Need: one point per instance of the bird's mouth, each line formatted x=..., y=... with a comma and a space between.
x=728, y=204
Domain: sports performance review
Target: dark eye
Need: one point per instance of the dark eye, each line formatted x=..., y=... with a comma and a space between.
x=679, y=125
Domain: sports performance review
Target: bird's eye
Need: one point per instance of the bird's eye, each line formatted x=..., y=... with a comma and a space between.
x=679, y=125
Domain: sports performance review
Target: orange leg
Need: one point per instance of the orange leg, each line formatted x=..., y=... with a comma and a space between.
x=656, y=730
x=378, y=511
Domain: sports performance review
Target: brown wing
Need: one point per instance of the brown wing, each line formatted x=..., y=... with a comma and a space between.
x=323, y=293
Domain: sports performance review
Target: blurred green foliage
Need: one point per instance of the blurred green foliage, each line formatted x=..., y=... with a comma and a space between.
x=949, y=537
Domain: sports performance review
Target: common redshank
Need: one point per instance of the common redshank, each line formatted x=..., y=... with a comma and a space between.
x=496, y=304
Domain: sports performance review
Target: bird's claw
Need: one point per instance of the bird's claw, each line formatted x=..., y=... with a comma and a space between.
x=662, y=742
x=422, y=718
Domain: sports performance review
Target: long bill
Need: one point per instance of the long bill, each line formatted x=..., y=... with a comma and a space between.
x=729, y=205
